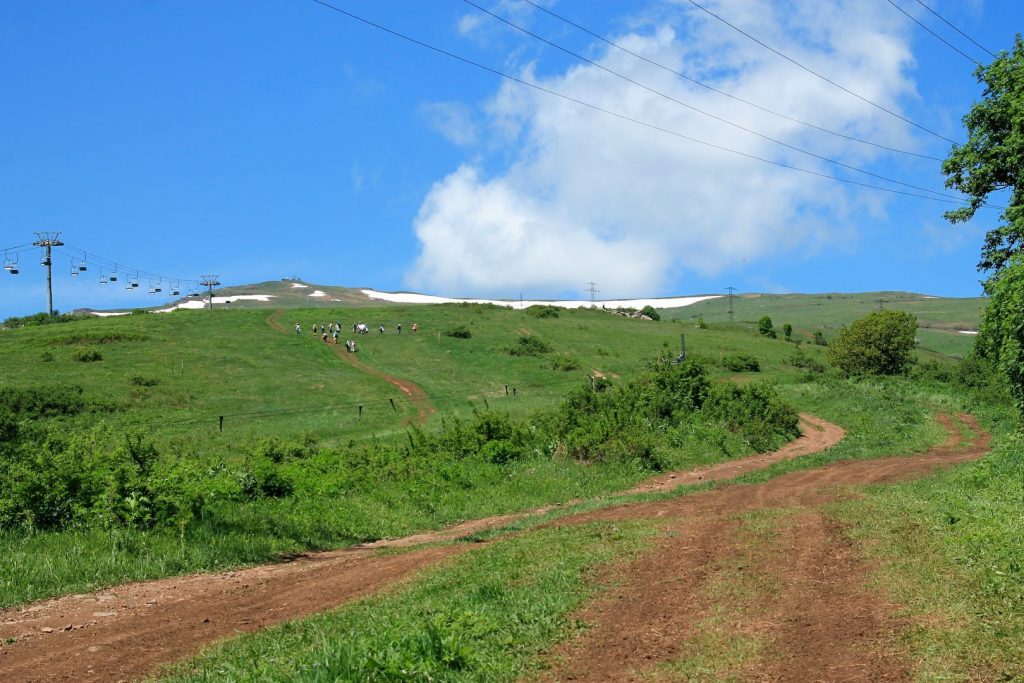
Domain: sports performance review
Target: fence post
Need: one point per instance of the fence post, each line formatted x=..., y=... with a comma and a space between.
x=222, y=423
x=360, y=412
x=393, y=407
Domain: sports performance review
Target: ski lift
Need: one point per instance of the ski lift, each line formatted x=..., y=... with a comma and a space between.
x=45, y=261
x=175, y=289
x=157, y=288
x=11, y=264
x=74, y=269
x=113, y=275
x=103, y=278
x=82, y=266
x=135, y=282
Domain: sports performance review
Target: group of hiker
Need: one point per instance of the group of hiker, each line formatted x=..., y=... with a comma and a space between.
x=331, y=331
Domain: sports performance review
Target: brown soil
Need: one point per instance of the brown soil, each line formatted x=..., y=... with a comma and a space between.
x=127, y=631
x=412, y=391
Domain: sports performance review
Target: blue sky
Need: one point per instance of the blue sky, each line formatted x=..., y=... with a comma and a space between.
x=271, y=138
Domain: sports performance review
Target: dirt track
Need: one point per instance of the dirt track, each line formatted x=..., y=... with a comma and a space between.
x=125, y=632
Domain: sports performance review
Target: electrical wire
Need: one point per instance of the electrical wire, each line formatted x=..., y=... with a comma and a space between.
x=712, y=88
x=720, y=119
x=120, y=266
x=947, y=22
x=948, y=44
x=822, y=77
x=623, y=117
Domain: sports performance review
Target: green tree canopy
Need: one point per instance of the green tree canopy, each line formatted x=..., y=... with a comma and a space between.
x=877, y=344
x=992, y=159
x=1001, y=337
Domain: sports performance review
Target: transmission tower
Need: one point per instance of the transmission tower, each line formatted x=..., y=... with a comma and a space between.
x=209, y=281
x=882, y=303
x=48, y=240
x=592, y=288
x=731, y=290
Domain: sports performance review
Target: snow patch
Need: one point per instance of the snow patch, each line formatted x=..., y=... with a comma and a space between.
x=109, y=314
x=967, y=331
x=203, y=303
x=299, y=285
x=411, y=298
x=317, y=293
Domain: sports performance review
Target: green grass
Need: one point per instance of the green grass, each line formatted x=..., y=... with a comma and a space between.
x=939, y=318
x=485, y=616
x=949, y=550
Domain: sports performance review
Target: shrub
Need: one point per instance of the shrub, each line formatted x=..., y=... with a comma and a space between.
x=565, y=363
x=701, y=325
x=801, y=360
x=787, y=331
x=460, y=332
x=141, y=381
x=44, y=401
x=819, y=338
x=754, y=411
x=37, y=319
x=877, y=344
x=650, y=312
x=46, y=357
x=741, y=363
x=87, y=355
x=542, y=311
x=764, y=326
x=529, y=345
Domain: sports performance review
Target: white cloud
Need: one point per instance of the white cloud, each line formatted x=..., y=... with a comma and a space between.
x=590, y=197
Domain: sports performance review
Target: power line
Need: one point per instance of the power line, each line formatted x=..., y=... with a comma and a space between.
x=948, y=44
x=712, y=88
x=701, y=111
x=592, y=288
x=629, y=119
x=944, y=20
x=815, y=73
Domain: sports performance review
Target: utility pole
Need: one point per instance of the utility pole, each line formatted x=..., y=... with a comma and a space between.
x=731, y=290
x=209, y=281
x=592, y=288
x=48, y=240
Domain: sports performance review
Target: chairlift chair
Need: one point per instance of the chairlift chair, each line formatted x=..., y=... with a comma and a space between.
x=113, y=275
x=103, y=278
x=11, y=264
x=74, y=269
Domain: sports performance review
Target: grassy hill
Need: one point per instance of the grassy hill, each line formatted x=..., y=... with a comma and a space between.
x=940, y=319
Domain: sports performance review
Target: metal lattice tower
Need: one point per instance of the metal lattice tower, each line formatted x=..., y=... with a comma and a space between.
x=592, y=288
x=731, y=290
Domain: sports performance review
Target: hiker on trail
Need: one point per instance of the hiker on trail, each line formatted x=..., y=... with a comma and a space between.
x=298, y=328
x=335, y=335
x=322, y=330
x=325, y=337
x=382, y=329
x=314, y=328
x=354, y=325
x=399, y=328
x=415, y=327
x=330, y=328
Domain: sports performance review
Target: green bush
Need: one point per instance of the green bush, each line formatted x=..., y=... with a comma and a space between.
x=529, y=345
x=87, y=355
x=37, y=319
x=460, y=332
x=877, y=344
x=565, y=363
x=142, y=381
x=650, y=312
x=801, y=360
x=764, y=326
x=819, y=338
x=44, y=401
x=787, y=331
x=755, y=412
x=542, y=311
x=741, y=363
x=701, y=325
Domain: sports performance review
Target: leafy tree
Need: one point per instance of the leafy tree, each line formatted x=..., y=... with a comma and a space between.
x=877, y=344
x=992, y=159
x=765, y=327
x=1001, y=337
x=787, y=331
x=650, y=312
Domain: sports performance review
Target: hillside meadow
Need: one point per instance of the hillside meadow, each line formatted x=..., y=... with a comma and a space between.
x=592, y=407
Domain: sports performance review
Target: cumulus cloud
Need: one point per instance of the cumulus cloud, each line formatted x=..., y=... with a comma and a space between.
x=453, y=120
x=585, y=196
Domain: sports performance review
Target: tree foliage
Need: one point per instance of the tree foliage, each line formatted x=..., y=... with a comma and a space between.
x=1001, y=337
x=992, y=159
x=765, y=327
x=877, y=344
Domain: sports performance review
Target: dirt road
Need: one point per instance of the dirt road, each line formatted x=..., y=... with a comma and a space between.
x=127, y=631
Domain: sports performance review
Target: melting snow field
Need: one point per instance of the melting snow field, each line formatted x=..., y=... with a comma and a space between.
x=202, y=303
x=410, y=298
